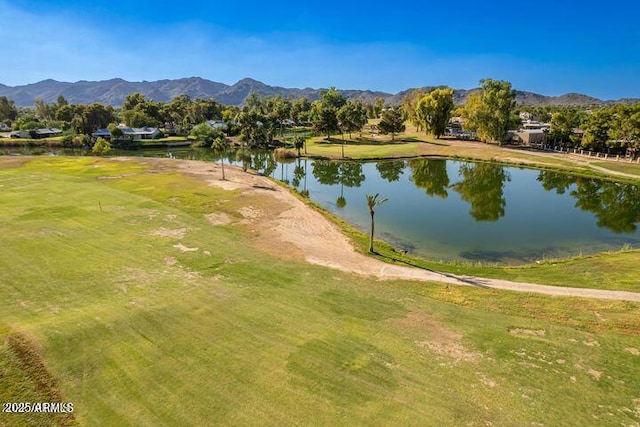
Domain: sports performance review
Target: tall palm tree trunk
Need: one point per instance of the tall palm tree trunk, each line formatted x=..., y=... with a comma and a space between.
x=371, y=237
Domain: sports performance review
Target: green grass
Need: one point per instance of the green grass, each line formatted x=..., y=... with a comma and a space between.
x=622, y=166
x=135, y=332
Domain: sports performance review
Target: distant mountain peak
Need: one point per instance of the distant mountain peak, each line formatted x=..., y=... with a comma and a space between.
x=114, y=91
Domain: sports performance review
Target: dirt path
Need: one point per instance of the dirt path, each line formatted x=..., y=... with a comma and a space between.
x=320, y=242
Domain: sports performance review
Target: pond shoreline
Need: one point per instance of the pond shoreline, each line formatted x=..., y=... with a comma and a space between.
x=327, y=244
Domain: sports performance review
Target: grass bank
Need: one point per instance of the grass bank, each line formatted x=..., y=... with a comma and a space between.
x=142, y=311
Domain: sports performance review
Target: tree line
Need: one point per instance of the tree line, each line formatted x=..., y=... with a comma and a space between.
x=489, y=113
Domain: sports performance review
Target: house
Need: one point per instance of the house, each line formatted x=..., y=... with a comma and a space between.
x=20, y=134
x=219, y=124
x=102, y=133
x=47, y=133
x=532, y=124
x=140, y=133
x=143, y=133
x=36, y=133
x=129, y=133
x=531, y=136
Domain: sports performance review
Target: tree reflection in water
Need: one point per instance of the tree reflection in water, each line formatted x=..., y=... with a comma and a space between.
x=390, y=170
x=617, y=206
x=482, y=186
x=430, y=175
x=347, y=174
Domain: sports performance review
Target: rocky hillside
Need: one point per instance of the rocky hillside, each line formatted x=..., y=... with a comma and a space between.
x=114, y=91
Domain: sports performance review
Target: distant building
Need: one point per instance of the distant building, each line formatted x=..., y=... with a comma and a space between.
x=129, y=133
x=4, y=127
x=143, y=133
x=532, y=124
x=47, y=132
x=102, y=133
x=220, y=124
x=531, y=136
x=36, y=133
x=20, y=134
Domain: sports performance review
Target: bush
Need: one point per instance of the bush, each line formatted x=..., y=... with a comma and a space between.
x=82, y=140
x=67, y=141
x=283, y=153
x=101, y=147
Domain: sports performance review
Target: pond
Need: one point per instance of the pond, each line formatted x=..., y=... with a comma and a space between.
x=455, y=210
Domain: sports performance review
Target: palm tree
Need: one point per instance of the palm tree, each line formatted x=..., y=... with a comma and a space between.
x=220, y=145
x=298, y=143
x=372, y=202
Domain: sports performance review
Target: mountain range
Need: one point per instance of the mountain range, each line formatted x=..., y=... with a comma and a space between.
x=114, y=91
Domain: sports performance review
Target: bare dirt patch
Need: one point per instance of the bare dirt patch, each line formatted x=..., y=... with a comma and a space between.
x=170, y=260
x=595, y=374
x=633, y=351
x=13, y=161
x=250, y=213
x=438, y=338
x=184, y=248
x=165, y=232
x=218, y=218
x=530, y=332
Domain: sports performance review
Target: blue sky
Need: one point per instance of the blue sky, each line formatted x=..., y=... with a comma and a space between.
x=549, y=47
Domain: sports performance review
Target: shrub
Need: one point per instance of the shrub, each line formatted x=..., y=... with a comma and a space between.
x=101, y=147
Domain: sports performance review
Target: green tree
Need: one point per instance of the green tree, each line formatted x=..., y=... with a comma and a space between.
x=65, y=113
x=372, y=202
x=324, y=119
x=8, y=110
x=255, y=127
x=44, y=111
x=563, y=123
x=61, y=101
x=175, y=113
x=204, y=134
x=410, y=104
x=101, y=147
x=89, y=118
x=300, y=110
x=220, y=145
x=299, y=143
x=625, y=128
x=490, y=112
x=333, y=99
x=392, y=121
x=116, y=132
x=378, y=105
x=596, y=129
x=278, y=109
x=137, y=111
x=352, y=117
x=433, y=111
